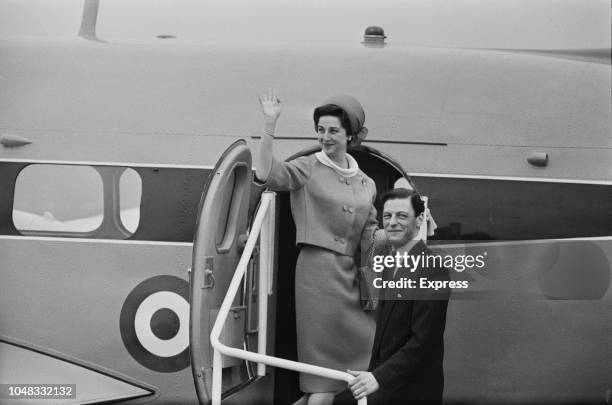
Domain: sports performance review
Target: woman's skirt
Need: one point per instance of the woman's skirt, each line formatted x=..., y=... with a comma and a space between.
x=332, y=329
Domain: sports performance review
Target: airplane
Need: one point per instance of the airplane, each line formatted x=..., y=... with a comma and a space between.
x=118, y=246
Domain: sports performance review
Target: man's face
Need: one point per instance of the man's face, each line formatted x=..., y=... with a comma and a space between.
x=399, y=221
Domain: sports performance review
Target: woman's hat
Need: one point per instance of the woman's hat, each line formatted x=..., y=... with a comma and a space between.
x=356, y=116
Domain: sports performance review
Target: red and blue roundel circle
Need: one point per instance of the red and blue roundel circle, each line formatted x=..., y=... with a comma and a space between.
x=154, y=323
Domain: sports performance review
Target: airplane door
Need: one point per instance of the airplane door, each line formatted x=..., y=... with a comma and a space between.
x=221, y=230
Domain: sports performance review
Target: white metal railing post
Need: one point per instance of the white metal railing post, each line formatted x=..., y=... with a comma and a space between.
x=217, y=375
x=272, y=240
x=219, y=348
x=266, y=263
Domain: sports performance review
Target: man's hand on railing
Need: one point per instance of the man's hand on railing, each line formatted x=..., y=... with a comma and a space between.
x=363, y=385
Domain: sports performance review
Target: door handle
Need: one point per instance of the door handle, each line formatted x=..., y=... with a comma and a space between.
x=208, y=281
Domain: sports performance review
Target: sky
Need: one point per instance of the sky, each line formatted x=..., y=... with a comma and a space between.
x=530, y=24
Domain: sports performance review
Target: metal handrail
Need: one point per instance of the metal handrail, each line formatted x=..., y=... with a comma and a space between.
x=259, y=358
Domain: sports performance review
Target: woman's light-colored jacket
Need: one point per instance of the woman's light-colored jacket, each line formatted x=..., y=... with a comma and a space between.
x=330, y=210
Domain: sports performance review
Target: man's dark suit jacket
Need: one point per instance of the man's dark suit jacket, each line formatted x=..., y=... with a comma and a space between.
x=408, y=345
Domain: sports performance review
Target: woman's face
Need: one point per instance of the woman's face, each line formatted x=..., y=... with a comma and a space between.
x=331, y=135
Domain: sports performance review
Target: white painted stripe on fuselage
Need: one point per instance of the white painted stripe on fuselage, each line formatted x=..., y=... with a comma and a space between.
x=512, y=178
x=85, y=240
x=117, y=164
x=522, y=242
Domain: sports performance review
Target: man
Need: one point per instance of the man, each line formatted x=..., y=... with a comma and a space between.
x=406, y=360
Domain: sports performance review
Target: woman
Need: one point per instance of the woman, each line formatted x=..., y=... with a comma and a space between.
x=332, y=207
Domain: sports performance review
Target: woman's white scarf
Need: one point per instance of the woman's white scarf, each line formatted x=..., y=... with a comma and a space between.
x=352, y=170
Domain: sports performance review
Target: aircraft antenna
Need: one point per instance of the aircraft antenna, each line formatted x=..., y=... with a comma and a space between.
x=89, y=20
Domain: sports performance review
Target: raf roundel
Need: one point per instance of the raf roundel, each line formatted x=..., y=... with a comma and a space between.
x=154, y=323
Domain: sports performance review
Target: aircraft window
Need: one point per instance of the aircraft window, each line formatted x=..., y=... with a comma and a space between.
x=230, y=208
x=58, y=198
x=130, y=193
x=138, y=203
x=224, y=203
x=485, y=209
